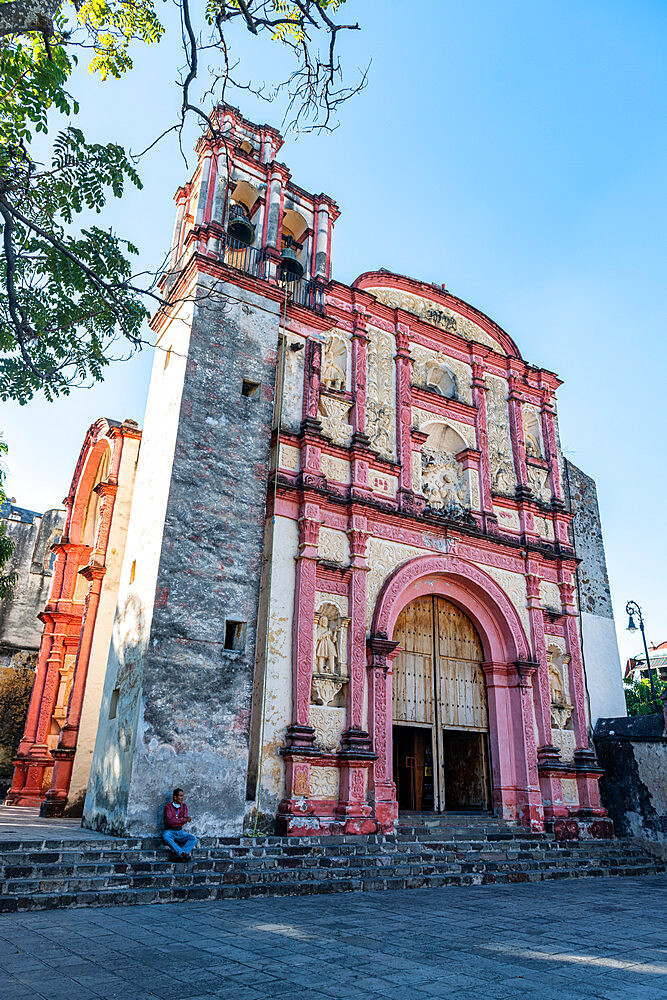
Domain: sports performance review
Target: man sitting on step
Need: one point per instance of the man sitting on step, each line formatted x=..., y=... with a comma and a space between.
x=175, y=818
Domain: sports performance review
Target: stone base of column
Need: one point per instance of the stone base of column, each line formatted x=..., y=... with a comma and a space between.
x=357, y=743
x=28, y=783
x=300, y=737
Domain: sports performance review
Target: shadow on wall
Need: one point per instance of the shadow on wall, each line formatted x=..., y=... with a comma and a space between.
x=633, y=753
x=109, y=783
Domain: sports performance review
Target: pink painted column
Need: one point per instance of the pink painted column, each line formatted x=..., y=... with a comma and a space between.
x=577, y=689
x=503, y=768
x=404, y=413
x=300, y=733
x=56, y=797
x=516, y=434
x=533, y=813
x=542, y=687
x=311, y=387
x=359, y=347
x=380, y=652
x=356, y=736
x=481, y=429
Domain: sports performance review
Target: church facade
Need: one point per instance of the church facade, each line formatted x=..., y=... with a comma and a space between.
x=350, y=584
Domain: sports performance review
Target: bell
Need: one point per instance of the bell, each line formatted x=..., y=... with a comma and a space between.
x=239, y=227
x=290, y=268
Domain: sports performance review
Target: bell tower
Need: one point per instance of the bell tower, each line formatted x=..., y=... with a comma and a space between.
x=249, y=248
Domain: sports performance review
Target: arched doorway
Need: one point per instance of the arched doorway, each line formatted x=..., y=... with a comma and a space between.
x=439, y=710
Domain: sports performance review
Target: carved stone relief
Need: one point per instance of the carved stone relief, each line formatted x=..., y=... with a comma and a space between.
x=333, y=545
x=514, y=585
x=289, y=457
x=570, y=791
x=381, y=393
x=507, y=518
x=444, y=482
x=417, y=471
x=501, y=461
x=324, y=782
x=383, y=558
x=538, y=480
x=550, y=596
x=336, y=469
x=329, y=725
x=335, y=362
x=430, y=370
x=333, y=414
x=436, y=314
x=544, y=528
x=562, y=732
x=383, y=484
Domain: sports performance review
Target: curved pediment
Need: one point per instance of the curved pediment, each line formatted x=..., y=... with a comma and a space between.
x=438, y=308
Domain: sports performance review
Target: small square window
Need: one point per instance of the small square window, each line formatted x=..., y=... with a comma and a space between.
x=235, y=636
x=113, y=707
x=250, y=389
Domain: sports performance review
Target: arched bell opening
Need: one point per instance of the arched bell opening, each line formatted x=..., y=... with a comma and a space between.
x=240, y=228
x=294, y=229
x=440, y=716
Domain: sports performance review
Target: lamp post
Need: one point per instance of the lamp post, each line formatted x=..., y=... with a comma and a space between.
x=633, y=611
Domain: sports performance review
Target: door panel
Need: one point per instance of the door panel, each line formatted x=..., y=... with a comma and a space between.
x=412, y=689
x=439, y=702
x=460, y=679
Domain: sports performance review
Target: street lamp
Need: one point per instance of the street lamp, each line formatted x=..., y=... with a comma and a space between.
x=633, y=611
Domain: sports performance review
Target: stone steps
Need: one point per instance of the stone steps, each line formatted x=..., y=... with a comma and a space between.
x=40, y=874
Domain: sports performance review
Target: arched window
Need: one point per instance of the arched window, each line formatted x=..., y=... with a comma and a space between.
x=91, y=516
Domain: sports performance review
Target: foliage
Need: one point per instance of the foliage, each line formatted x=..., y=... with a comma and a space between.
x=15, y=687
x=638, y=698
x=7, y=580
x=66, y=290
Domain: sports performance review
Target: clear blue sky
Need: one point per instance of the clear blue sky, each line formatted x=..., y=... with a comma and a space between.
x=515, y=151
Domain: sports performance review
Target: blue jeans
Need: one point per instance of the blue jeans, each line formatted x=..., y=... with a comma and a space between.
x=179, y=841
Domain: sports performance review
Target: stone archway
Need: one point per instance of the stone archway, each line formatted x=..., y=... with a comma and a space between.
x=508, y=670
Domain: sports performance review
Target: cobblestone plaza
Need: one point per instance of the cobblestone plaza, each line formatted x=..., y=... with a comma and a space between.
x=570, y=940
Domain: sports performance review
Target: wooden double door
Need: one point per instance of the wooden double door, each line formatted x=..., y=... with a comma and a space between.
x=440, y=713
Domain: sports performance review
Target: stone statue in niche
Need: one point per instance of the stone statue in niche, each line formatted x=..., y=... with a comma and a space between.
x=334, y=365
x=326, y=649
x=329, y=674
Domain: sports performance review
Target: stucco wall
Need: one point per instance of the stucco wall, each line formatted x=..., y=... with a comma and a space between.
x=99, y=653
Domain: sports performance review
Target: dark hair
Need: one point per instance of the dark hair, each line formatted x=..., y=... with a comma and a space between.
x=175, y=792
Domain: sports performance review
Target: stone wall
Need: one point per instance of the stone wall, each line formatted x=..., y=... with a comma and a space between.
x=633, y=753
x=601, y=658
x=20, y=628
x=182, y=698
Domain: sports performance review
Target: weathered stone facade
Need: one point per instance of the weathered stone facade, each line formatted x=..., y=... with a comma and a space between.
x=349, y=581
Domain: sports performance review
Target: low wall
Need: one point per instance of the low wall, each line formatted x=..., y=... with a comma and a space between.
x=633, y=753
